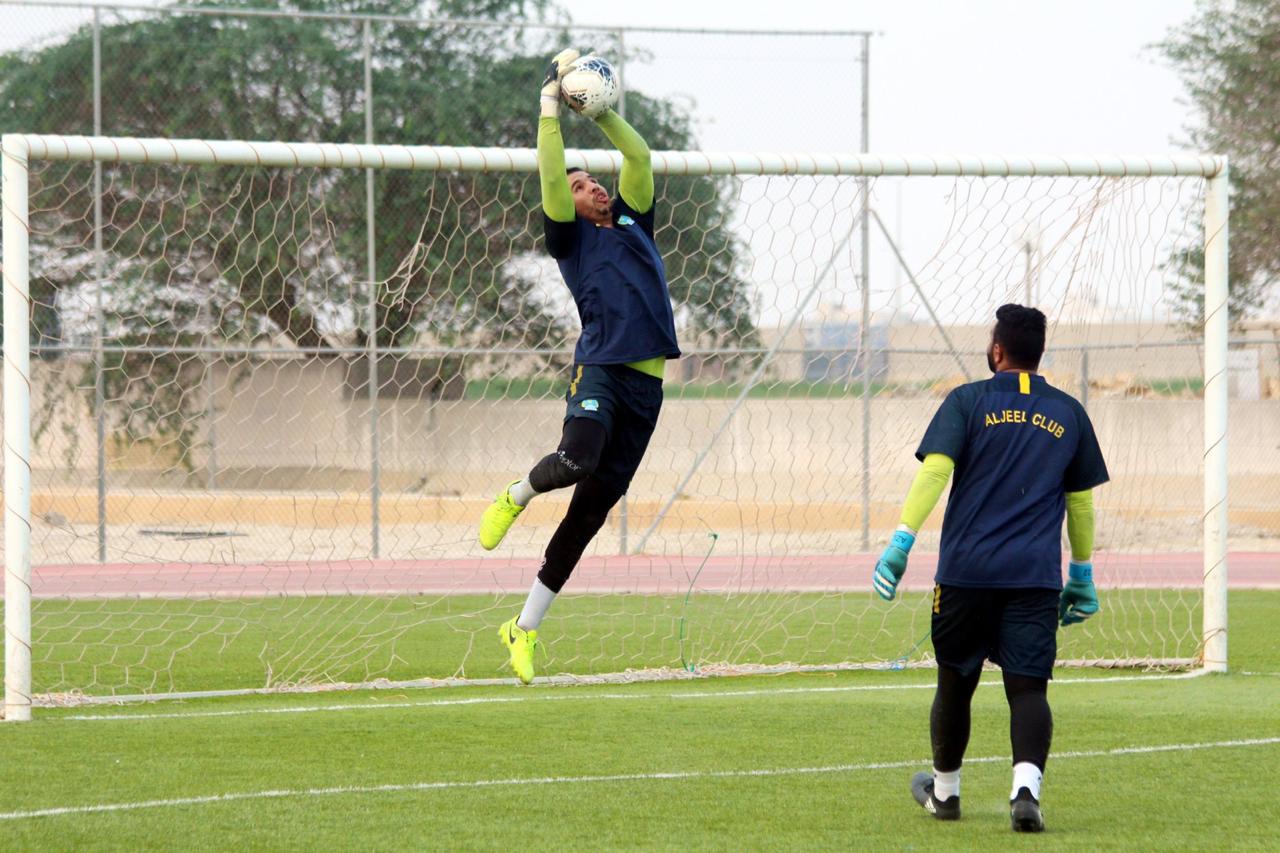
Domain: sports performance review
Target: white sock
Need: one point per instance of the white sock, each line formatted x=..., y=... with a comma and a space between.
x=946, y=785
x=535, y=606
x=521, y=492
x=1026, y=775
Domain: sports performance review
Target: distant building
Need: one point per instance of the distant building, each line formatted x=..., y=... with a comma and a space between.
x=833, y=351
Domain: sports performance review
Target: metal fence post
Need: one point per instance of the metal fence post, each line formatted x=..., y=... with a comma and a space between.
x=375, y=474
x=1084, y=377
x=207, y=359
x=621, y=63
x=211, y=412
x=100, y=326
x=864, y=330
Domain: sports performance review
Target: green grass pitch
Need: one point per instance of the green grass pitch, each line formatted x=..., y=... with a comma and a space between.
x=798, y=761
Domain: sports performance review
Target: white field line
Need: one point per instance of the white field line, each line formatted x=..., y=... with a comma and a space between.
x=675, y=775
x=527, y=695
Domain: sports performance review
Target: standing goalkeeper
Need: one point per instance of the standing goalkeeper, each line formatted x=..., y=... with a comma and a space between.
x=1023, y=453
x=607, y=255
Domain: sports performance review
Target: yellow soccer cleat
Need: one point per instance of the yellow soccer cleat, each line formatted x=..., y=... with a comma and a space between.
x=498, y=518
x=520, y=643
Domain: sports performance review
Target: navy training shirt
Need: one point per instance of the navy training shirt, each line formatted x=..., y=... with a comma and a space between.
x=1019, y=445
x=619, y=285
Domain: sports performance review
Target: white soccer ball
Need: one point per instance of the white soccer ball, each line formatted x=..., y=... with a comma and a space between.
x=591, y=86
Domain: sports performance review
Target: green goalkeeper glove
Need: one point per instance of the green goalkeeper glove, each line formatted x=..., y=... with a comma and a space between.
x=892, y=564
x=1079, y=598
x=557, y=68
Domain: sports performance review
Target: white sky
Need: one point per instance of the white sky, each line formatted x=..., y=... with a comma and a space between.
x=979, y=76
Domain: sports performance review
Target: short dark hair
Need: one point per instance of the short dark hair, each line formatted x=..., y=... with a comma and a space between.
x=1020, y=331
x=571, y=170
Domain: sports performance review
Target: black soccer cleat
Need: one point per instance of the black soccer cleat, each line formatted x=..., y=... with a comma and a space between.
x=922, y=790
x=1024, y=812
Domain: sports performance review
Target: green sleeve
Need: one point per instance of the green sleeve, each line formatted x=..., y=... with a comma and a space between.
x=1080, y=525
x=557, y=198
x=635, y=184
x=930, y=480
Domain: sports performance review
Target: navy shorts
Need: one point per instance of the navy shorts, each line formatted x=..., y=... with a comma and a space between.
x=627, y=402
x=1014, y=628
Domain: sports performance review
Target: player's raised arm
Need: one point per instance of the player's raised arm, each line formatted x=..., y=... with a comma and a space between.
x=557, y=198
x=635, y=184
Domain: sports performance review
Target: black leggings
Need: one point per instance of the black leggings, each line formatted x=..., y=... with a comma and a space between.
x=1030, y=720
x=573, y=464
x=949, y=717
x=592, y=500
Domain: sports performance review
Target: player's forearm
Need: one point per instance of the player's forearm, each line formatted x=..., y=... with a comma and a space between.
x=926, y=490
x=557, y=198
x=635, y=184
x=1080, y=525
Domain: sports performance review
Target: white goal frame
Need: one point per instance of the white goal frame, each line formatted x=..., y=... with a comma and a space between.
x=19, y=149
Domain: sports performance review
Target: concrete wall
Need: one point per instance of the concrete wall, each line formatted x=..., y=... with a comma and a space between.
x=1121, y=356
x=292, y=426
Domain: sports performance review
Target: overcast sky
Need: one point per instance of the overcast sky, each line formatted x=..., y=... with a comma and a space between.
x=979, y=75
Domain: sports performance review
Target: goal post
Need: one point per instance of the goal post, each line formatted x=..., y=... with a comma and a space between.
x=233, y=276
x=17, y=433
x=1216, y=329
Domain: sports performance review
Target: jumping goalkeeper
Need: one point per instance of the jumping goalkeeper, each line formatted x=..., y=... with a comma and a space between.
x=1024, y=453
x=606, y=252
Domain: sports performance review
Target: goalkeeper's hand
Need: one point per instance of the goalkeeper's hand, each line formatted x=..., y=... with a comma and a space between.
x=892, y=564
x=1079, y=598
x=557, y=68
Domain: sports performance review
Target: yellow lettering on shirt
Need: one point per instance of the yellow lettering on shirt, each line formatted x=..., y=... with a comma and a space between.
x=1019, y=416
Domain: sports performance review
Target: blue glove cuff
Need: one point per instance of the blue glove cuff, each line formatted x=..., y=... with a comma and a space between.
x=1080, y=571
x=903, y=539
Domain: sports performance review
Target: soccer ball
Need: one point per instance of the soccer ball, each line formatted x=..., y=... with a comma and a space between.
x=591, y=86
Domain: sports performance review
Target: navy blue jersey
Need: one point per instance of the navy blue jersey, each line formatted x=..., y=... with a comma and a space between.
x=1019, y=446
x=619, y=284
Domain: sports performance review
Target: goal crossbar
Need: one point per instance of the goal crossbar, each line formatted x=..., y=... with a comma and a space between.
x=445, y=158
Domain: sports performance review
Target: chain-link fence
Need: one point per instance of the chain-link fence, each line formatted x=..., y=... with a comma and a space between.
x=215, y=73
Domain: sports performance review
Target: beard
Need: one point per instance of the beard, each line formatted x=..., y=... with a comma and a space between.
x=991, y=362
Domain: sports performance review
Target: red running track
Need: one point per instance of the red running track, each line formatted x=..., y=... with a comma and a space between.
x=634, y=574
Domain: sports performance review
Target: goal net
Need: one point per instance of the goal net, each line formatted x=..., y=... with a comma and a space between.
x=264, y=391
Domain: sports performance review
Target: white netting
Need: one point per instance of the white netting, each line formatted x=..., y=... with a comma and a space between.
x=238, y=544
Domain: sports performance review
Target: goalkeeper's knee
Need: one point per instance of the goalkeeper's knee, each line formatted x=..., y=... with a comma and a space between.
x=575, y=459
